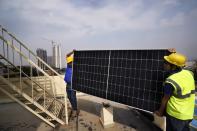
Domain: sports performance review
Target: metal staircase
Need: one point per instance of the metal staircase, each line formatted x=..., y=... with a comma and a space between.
x=28, y=84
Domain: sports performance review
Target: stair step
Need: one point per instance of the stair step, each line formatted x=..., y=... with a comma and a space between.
x=20, y=97
x=16, y=95
x=36, y=98
x=56, y=110
x=42, y=82
x=47, y=80
x=48, y=86
x=5, y=64
x=30, y=85
x=11, y=81
x=49, y=118
x=48, y=102
x=7, y=88
x=28, y=82
x=12, y=73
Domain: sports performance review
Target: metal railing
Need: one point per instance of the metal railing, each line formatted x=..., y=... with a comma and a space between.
x=25, y=61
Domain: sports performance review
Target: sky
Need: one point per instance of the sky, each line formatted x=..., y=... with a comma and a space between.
x=103, y=24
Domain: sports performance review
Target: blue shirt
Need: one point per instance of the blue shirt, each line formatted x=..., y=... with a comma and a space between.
x=168, y=89
x=68, y=75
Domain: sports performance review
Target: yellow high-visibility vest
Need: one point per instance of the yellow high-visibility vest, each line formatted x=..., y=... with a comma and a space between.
x=181, y=103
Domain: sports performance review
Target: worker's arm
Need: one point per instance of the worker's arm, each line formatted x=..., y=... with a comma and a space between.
x=162, y=108
x=172, y=50
x=70, y=53
x=168, y=90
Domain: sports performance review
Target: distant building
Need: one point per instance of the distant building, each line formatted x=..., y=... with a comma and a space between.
x=56, y=58
x=50, y=60
x=43, y=55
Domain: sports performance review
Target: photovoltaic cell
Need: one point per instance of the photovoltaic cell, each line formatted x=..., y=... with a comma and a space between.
x=131, y=77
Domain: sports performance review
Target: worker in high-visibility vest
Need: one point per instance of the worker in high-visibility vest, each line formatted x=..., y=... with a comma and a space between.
x=179, y=94
x=71, y=94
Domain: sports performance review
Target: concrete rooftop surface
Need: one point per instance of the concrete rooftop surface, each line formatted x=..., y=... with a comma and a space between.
x=13, y=117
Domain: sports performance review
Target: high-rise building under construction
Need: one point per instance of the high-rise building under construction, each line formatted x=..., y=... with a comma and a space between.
x=56, y=58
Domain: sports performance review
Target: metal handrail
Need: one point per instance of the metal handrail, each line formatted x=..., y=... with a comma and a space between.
x=31, y=62
x=17, y=50
x=38, y=58
x=25, y=74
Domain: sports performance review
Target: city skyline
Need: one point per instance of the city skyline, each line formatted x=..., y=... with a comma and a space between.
x=54, y=60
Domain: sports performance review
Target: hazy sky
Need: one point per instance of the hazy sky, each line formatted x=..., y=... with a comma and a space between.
x=103, y=24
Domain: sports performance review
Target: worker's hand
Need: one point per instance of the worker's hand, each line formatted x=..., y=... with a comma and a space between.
x=73, y=51
x=70, y=53
x=172, y=50
x=158, y=113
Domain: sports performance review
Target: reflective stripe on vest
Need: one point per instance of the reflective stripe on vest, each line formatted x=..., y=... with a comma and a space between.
x=179, y=91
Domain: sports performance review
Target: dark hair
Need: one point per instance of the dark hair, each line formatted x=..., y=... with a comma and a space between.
x=69, y=65
x=166, y=62
x=172, y=65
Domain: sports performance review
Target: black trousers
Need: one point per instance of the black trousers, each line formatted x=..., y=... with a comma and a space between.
x=71, y=94
x=174, y=124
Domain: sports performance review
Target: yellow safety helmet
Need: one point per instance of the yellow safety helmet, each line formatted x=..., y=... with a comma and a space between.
x=69, y=59
x=176, y=59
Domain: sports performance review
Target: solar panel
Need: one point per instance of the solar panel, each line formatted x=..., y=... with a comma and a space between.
x=131, y=77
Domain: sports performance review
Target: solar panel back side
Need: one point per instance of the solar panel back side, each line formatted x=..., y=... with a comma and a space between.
x=131, y=77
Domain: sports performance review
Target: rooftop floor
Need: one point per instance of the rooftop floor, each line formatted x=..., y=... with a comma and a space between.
x=16, y=118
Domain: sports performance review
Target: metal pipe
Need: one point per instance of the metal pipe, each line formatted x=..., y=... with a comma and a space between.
x=13, y=50
x=21, y=72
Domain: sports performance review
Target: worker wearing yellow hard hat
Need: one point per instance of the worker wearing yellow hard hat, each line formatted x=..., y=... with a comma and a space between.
x=176, y=59
x=69, y=58
x=179, y=94
x=68, y=79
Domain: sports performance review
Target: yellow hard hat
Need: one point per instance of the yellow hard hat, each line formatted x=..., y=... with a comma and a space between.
x=69, y=59
x=176, y=59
